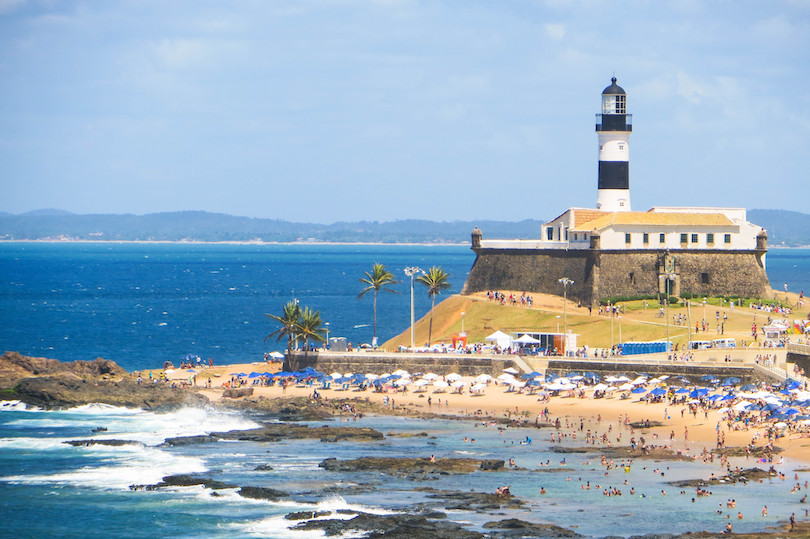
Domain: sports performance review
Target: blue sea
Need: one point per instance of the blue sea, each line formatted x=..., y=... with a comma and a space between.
x=142, y=304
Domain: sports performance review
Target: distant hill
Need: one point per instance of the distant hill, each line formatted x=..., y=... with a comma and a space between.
x=205, y=226
x=787, y=228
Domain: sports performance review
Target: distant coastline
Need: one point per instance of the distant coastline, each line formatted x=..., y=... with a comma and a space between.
x=200, y=242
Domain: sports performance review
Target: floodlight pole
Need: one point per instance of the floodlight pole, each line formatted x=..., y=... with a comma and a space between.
x=565, y=281
x=410, y=272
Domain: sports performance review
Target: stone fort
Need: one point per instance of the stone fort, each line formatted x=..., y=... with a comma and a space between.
x=610, y=251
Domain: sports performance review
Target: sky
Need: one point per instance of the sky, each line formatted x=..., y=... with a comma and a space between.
x=381, y=110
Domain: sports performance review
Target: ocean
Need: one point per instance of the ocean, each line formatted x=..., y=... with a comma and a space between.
x=141, y=304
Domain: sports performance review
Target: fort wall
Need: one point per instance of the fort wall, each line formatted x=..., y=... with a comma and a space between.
x=601, y=273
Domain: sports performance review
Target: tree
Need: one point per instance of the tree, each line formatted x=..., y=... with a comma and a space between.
x=289, y=320
x=309, y=326
x=377, y=280
x=435, y=279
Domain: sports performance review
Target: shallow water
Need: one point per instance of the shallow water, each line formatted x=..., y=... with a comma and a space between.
x=49, y=488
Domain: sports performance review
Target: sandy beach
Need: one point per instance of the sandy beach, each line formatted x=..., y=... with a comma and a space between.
x=675, y=427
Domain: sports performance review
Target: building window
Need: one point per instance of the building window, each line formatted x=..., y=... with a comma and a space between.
x=627, y=239
x=727, y=238
x=645, y=238
x=621, y=203
x=565, y=234
x=684, y=237
x=632, y=278
x=694, y=238
x=621, y=146
x=704, y=278
x=621, y=104
x=550, y=233
x=662, y=238
x=710, y=239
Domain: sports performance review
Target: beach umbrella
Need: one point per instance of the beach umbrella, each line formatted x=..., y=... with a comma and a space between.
x=452, y=377
x=534, y=383
x=731, y=381
x=478, y=387
x=254, y=375
x=742, y=405
x=430, y=376
x=638, y=389
x=627, y=386
x=440, y=384
x=698, y=392
x=728, y=398
x=458, y=384
x=639, y=380
x=483, y=378
x=276, y=355
x=422, y=382
x=401, y=372
x=714, y=398
x=748, y=387
x=658, y=391
x=600, y=387
x=681, y=391
x=591, y=376
x=511, y=370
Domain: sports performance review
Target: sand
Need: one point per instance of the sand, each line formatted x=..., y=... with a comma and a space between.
x=691, y=433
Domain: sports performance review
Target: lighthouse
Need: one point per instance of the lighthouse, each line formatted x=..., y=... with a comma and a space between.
x=613, y=127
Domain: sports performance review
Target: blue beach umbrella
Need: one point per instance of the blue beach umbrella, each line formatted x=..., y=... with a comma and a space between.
x=638, y=389
x=699, y=392
x=658, y=391
x=731, y=381
x=681, y=391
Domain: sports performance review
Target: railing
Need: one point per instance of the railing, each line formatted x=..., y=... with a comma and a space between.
x=776, y=372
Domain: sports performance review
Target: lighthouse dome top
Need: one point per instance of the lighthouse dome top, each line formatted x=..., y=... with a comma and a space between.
x=613, y=89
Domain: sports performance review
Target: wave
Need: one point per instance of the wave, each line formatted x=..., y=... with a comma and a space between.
x=17, y=406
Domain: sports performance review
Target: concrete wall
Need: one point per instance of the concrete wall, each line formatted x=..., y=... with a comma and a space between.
x=601, y=273
x=380, y=362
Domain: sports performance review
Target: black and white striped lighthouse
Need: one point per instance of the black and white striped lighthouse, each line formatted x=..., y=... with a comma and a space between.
x=613, y=126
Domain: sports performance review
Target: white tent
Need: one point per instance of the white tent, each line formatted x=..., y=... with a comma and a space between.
x=511, y=370
x=500, y=338
x=525, y=339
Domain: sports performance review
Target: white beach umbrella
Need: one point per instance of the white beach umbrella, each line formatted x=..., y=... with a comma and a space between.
x=402, y=382
x=441, y=384
x=430, y=376
x=401, y=372
x=348, y=374
x=422, y=383
x=335, y=375
x=483, y=378
x=478, y=388
x=612, y=379
x=640, y=380
x=506, y=377
x=627, y=386
x=370, y=376
x=742, y=405
x=511, y=370
x=452, y=377
x=458, y=384
x=610, y=389
x=600, y=387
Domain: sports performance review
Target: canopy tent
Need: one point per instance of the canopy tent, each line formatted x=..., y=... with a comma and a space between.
x=500, y=338
x=525, y=339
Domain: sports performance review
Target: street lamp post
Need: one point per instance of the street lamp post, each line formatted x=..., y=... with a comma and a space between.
x=462, y=334
x=558, y=323
x=620, y=329
x=670, y=277
x=565, y=281
x=410, y=272
x=326, y=325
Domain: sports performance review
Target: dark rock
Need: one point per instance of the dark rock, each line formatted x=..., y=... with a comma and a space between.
x=520, y=528
x=565, y=450
x=189, y=440
x=263, y=468
x=237, y=392
x=475, y=501
x=306, y=515
x=748, y=474
x=113, y=443
x=390, y=526
x=184, y=480
x=411, y=468
x=262, y=493
x=274, y=432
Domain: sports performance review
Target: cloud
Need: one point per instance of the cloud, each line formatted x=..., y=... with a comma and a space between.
x=554, y=31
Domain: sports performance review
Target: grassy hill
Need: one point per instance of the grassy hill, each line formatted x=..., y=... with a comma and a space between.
x=638, y=321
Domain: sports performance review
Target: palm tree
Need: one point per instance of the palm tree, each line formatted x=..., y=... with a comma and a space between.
x=289, y=320
x=377, y=280
x=435, y=279
x=309, y=326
